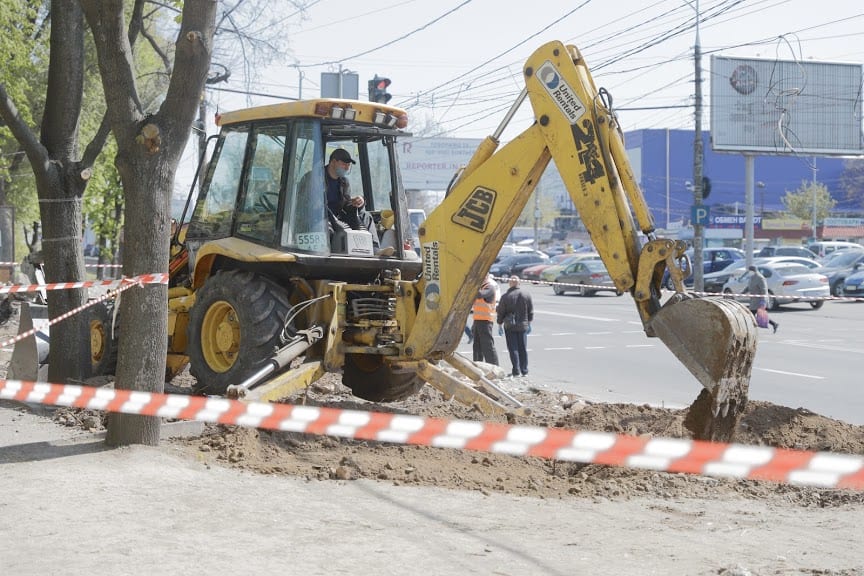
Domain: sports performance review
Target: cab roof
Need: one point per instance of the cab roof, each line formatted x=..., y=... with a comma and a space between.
x=364, y=112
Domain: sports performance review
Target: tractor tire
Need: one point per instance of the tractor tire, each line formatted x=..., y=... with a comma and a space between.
x=103, y=339
x=370, y=378
x=234, y=327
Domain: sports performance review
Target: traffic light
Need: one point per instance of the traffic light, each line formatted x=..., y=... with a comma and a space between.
x=706, y=187
x=378, y=90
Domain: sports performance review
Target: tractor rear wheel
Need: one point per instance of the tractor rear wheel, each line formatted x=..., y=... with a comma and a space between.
x=370, y=378
x=234, y=327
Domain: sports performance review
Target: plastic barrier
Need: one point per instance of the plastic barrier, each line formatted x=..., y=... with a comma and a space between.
x=819, y=469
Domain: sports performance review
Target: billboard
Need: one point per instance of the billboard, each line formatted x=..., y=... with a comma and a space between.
x=785, y=107
x=430, y=163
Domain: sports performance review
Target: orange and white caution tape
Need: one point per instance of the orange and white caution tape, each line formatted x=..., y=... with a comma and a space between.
x=819, y=469
x=143, y=279
x=85, y=265
x=125, y=284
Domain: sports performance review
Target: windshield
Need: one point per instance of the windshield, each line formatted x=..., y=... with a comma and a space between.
x=843, y=258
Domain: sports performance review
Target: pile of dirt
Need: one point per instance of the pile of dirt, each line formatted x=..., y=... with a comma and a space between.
x=327, y=458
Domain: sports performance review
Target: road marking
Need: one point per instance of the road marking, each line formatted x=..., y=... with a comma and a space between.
x=565, y=348
x=595, y=347
x=814, y=377
x=580, y=316
x=597, y=333
x=576, y=333
x=639, y=346
x=632, y=331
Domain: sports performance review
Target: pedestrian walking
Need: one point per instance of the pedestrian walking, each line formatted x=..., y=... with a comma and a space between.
x=483, y=313
x=757, y=287
x=515, y=313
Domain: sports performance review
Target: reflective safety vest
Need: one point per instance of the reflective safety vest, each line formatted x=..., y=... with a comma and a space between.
x=483, y=310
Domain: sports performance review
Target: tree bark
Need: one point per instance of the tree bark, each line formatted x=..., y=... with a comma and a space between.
x=60, y=181
x=149, y=150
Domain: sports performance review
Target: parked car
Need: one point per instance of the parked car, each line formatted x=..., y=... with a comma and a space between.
x=824, y=248
x=516, y=263
x=800, y=251
x=808, y=262
x=586, y=278
x=714, y=281
x=533, y=272
x=552, y=272
x=854, y=283
x=838, y=265
x=787, y=283
x=713, y=260
x=511, y=249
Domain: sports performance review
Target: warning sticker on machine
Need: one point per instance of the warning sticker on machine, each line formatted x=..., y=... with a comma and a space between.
x=563, y=95
x=432, y=275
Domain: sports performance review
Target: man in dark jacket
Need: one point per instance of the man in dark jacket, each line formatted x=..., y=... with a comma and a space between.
x=344, y=210
x=516, y=312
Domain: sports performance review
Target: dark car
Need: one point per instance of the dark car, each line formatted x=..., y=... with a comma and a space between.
x=514, y=264
x=800, y=251
x=713, y=260
x=838, y=265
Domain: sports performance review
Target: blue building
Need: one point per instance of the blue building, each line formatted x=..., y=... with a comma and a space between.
x=663, y=163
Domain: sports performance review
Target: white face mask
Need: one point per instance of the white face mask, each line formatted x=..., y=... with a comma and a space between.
x=341, y=171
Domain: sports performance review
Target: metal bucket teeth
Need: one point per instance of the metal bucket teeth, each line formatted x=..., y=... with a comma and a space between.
x=715, y=338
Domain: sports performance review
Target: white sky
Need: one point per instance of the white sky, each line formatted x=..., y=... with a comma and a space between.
x=457, y=63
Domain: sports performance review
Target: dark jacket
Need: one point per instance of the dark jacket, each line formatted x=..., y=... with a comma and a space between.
x=518, y=306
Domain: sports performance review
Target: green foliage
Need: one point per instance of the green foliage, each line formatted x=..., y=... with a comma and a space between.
x=800, y=202
x=103, y=200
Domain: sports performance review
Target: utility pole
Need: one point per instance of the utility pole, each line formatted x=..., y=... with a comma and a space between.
x=813, y=223
x=698, y=282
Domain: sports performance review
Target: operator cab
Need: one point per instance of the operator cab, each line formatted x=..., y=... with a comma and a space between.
x=265, y=185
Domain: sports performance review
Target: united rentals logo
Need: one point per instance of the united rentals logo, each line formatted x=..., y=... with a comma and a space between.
x=563, y=95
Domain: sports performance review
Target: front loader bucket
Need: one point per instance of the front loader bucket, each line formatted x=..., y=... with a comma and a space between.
x=715, y=339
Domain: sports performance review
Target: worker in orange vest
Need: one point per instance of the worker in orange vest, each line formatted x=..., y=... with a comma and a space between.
x=483, y=313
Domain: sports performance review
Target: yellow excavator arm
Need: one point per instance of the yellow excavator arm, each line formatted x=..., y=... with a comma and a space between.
x=575, y=127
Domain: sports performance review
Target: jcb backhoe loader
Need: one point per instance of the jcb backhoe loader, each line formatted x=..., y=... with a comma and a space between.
x=262, y=275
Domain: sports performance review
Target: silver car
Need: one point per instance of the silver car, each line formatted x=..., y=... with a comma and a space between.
x=586, y=278
x=788, y=282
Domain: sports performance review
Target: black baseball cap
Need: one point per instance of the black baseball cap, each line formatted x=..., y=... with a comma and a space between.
x=342, y=155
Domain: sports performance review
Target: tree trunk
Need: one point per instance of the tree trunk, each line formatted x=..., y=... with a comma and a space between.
x=141, y=366
x=149, y=149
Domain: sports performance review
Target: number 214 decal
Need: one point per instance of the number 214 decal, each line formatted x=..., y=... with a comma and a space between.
x=475, y=210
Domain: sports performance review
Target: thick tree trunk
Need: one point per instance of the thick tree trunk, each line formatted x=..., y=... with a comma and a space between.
x=149, y=150
x=143, y=309
x=62, y=248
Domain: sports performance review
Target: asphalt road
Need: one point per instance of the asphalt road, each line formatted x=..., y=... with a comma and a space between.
x=595, y=347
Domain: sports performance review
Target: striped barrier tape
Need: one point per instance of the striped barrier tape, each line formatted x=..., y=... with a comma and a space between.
x=85, y=265
x=607, y=288
x=143, y=279
x=818, y=469
x=125, y=284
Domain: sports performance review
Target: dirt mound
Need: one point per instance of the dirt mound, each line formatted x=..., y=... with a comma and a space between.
x=325, y=458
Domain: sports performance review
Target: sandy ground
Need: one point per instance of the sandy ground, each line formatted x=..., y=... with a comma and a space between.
x=239, y=501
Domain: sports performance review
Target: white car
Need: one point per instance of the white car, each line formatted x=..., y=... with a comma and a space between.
x=788, y=282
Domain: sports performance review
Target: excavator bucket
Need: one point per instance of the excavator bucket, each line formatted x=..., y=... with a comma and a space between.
x=715, y=339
